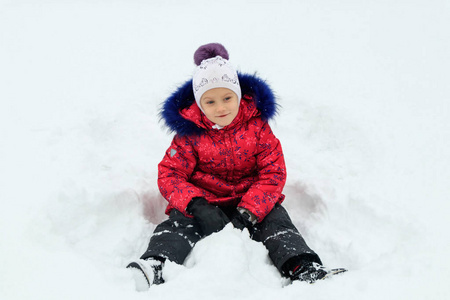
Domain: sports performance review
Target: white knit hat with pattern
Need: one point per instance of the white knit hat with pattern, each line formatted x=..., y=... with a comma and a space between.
x=213, y=71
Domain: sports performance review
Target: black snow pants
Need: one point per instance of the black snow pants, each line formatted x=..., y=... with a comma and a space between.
x=174, y=238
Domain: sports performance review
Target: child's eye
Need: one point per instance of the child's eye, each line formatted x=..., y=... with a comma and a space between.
x=227, y=98
x=210, y=102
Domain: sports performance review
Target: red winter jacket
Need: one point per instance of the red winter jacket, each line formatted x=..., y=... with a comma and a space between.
x=241, y=164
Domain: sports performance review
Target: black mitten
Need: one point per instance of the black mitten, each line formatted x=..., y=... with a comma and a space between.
x=210, y=217
x=242, y=218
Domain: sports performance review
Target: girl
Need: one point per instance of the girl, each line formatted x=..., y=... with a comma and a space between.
x=224, y=165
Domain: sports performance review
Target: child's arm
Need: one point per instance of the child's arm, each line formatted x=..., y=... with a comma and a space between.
x=264, y=193
x=173, y=174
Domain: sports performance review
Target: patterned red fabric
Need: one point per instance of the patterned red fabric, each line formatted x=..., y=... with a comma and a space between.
x=241, y=164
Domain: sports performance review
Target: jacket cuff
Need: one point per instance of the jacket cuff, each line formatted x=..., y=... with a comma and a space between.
x=259, y=214
x=251, y=216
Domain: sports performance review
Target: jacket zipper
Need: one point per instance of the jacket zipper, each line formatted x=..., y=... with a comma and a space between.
x=231, y=159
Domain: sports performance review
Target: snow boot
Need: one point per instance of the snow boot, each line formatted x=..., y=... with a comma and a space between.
x=146, y=273
x=312, y=271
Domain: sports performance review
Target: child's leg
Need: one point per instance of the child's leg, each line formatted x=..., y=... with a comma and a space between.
x=282, y=239
x=174, y=238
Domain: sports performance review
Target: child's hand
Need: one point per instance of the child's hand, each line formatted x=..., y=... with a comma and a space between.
x=243, y=218
x=210, y=217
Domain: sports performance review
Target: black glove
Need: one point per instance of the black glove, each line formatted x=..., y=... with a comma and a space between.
x=209, y=217
x=243, y=219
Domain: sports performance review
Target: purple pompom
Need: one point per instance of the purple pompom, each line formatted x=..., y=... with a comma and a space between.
x=209, y=51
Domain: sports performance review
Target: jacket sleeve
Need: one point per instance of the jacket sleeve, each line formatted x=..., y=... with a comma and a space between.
x=174, y=172
x=266, y=192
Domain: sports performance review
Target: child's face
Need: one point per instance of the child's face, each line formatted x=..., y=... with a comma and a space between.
x=220, y=105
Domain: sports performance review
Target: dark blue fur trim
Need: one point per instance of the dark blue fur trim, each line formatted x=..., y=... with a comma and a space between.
x=262, y=93
x=183, y=97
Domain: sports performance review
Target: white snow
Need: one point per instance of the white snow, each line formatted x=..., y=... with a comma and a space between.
x=364, y=88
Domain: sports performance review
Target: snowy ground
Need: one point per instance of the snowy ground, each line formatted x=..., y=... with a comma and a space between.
x=364, y=87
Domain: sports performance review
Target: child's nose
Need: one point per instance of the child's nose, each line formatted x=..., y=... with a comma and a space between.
x=221, y=107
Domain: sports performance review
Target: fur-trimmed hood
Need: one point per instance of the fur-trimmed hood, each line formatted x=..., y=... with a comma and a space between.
x=183, y=97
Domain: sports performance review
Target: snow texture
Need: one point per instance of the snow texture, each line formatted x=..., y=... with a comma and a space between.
x=364, y=124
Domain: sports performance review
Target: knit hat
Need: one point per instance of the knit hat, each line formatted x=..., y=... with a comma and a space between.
x=213, y=71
